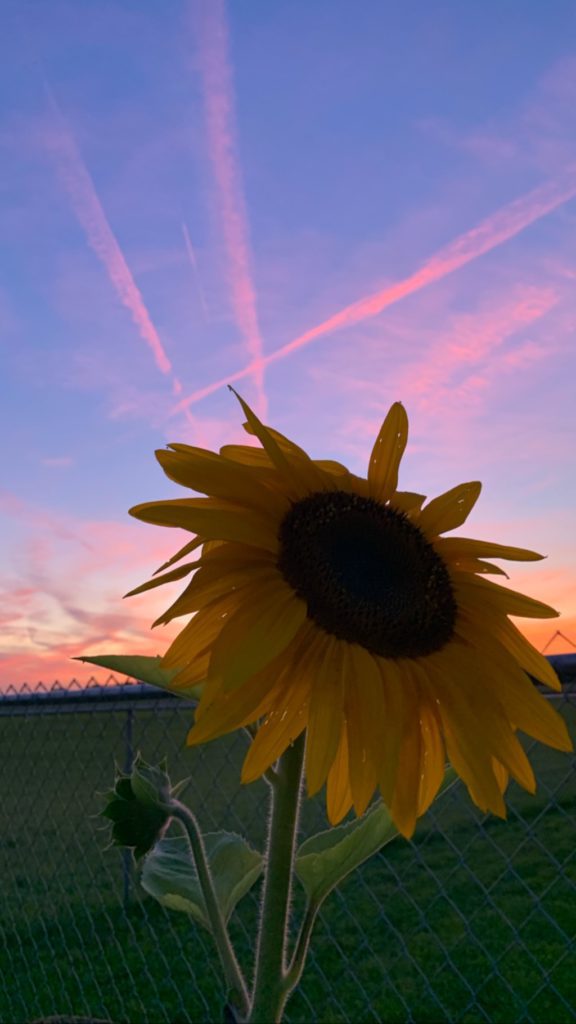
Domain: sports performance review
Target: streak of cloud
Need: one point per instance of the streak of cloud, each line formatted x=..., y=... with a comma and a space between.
x=57, y=462
x=472, y=339
x=501, y=226
x=195, y=271
x=88, y=209
x=219, y=109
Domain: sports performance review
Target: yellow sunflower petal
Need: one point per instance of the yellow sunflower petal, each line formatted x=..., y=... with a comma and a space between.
x=466, y=732
x=301, y=475
x=494, y=635
x=387, y=454
x=526, y=655
x=338, y=793
x=196, y=542
x=206, y=587
x=169, y=577
x=231, y=711
x=365, y=722
x=478, y=565
x=476, y=592
x=325, y=714
x=331, y=466
x=230, y=555
x=433, y=757
x=502, y=774
x=256, y=458
x=488, y=683
x=511, y=754
x=526, y=708
x=395, y=709
x=285, y=721
x=194, y=673
x=268, y=442
x=211, y=474
x=198, y=633
x=452, y=548
x=449, y=510
x=404, y=806
x=215, y=520
x=257, y=631
x=407, y=501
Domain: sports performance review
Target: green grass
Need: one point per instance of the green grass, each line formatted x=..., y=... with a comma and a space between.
x=471, y=922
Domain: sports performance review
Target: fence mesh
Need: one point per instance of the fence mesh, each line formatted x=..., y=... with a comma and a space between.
x=472, y=921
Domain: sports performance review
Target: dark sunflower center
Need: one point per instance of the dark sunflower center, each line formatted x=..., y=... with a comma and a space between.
x=367, y=574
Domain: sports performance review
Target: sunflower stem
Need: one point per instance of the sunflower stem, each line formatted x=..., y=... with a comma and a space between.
x=270, y=992
x=232, y=971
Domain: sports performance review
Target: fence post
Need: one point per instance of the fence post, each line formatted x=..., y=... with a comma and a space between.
x=126, y=854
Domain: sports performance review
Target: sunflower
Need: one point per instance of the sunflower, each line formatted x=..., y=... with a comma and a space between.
x=326, y=602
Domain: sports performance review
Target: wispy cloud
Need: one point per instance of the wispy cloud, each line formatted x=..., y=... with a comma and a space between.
x=75, y=177
x=209, y=21
x=471, y=340
x=61, y=597
x=191, y=254
x=58, y=462
x=503, y=225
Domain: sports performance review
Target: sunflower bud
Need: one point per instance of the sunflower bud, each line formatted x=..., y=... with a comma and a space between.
x=139, y=806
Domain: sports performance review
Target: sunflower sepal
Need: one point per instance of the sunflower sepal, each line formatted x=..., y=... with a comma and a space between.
x=151, y=785
x=144, y=669
x=170, y=876
x=324, y=860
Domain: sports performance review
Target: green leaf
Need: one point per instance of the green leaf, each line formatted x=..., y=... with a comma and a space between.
x=324, y=860
x=169, y=873
x=146, y=670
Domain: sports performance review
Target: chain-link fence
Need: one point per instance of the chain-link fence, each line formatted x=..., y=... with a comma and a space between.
x=472, y=921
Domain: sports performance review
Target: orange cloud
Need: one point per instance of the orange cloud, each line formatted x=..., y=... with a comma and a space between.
x=507, y=222
x=216, y=73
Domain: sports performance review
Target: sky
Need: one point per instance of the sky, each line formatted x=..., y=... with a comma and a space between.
x=332, y=206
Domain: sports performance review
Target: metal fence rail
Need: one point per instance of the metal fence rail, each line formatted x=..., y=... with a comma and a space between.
x=474, y=920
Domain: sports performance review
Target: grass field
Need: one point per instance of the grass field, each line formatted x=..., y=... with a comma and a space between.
x=474, y=921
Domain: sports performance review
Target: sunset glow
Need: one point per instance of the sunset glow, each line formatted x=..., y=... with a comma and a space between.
x=330, y=205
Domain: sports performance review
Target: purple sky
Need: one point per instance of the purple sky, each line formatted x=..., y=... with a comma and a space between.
x=335, y=205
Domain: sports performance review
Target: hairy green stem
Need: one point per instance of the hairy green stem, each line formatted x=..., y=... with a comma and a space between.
x=231, y=967
x=270, y=993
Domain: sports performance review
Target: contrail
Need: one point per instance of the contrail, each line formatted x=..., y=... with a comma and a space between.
x=195, y=272
x=219, y=109
x=88, y=209
x=506, y=223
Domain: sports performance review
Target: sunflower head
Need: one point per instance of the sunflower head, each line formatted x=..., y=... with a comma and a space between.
x=331, y=603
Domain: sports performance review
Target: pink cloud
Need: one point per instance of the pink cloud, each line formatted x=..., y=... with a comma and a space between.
x=62, y=597
x=538, y=133
x=472, y=339
x=216, y=73
x=503, y=225
x=58, y=462
x=88, y=209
